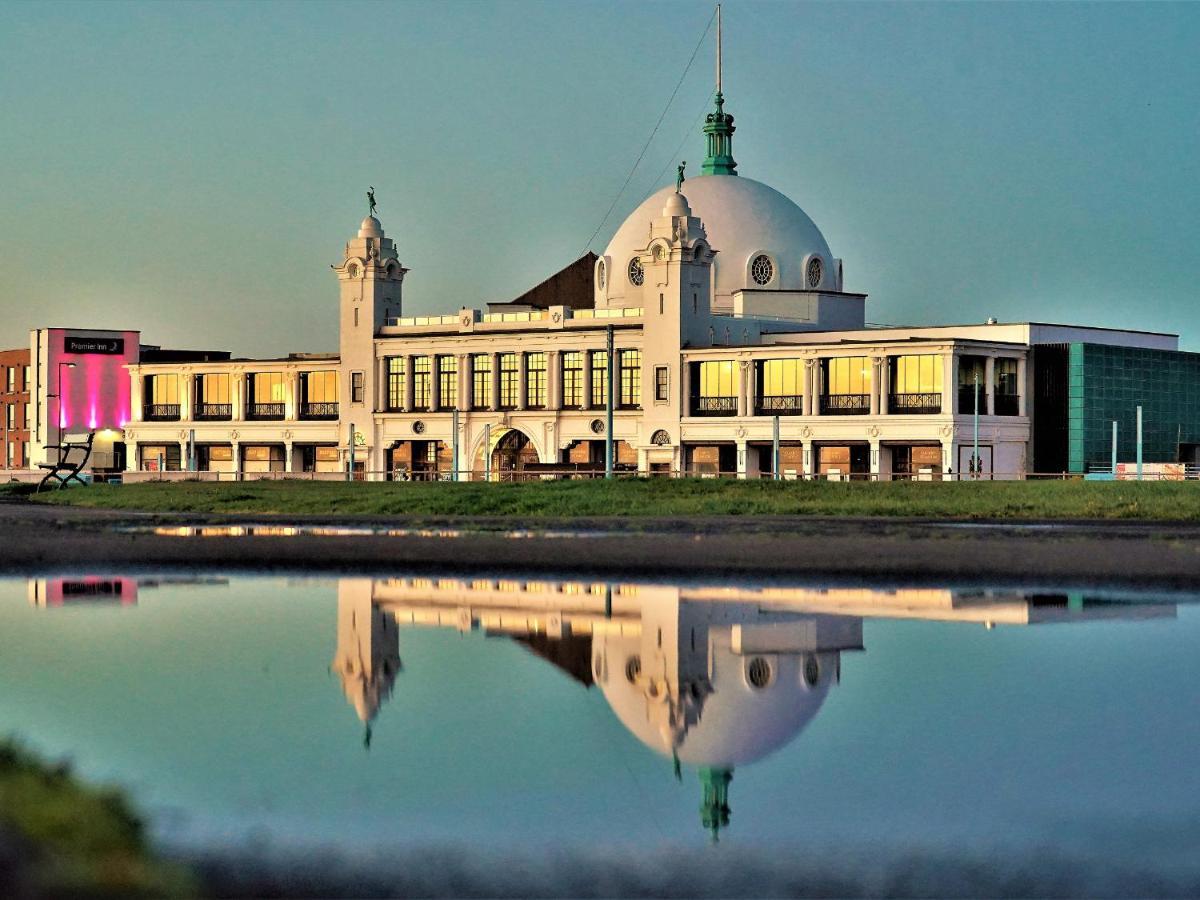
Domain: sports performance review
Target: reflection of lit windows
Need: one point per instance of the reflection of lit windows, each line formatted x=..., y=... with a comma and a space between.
x=633, y=668
x=509, y=587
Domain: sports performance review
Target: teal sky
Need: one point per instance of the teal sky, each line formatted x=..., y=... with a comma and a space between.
x=193, y=169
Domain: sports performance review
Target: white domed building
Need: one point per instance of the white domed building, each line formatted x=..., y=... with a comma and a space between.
x=715, y=335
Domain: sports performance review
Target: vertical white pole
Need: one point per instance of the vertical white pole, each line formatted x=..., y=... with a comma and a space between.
x=775, y=449
x=1139, y=442
x=350, y=457
x=1114, y=449
x=454, y=446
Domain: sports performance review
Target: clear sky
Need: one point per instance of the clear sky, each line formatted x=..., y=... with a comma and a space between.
x=193, y=169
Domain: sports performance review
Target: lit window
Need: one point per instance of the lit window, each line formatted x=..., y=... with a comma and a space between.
x=357, y=387
x=762, y=270
x=422, y=382
x=481, y=381
x=509, y=380
x=599, y=378
x=447, y=382
x=661, y=384
x=395, y=382
x=535, y=380
x=631, y=378
x=572, y=379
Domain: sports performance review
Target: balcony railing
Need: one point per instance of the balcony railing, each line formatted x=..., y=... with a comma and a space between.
x=914, y=403
x=161, y=412
x=214, y=411
x=318, y=410
x=845, y=404
x=1007, y=404
x=714, y=406
x=779, y=406
x=264, y=411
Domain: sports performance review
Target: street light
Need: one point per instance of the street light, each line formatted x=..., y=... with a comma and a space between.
x=58, y=397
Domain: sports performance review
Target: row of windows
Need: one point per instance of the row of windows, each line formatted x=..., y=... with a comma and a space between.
x=508, y=381
x=215, y=388
x=16, y=454
x=16, y=420
x=11, y=385
x=850, y=375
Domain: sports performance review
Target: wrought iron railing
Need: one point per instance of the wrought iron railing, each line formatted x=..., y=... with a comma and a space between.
x=265, y=411
x=845, y=404
x=781, y=405
x=161, y=412
x=214, y=411
x=914, y=403
x=318, y=410
x=714, y=406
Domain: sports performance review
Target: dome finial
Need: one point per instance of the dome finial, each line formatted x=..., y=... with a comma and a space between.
x=718, y=126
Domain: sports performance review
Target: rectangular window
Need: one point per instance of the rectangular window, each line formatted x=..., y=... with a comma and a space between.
x=321, y=387
x=780, y=387
x=509, y=380
x=1005, y=401
x=10, y=416
x=714, y=390
x=847, y=385
x=970, y=370
x=631, y=378
x=916, y=384
x=11, y=379
x=661, y=384
x=214, y=388
x=267, y=388
x=161, y=391
x=535, y=380
x=422, y=376
x=395, y=383
x=263, y=458
x=357, y=387
x=599, y=378
x=481, y=381
x=447, y=382
x=572, y=379
x=25, y=380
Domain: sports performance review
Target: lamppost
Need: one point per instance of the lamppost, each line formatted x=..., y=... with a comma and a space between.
x=58, y=397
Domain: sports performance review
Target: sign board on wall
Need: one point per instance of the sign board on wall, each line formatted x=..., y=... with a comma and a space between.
x=105, y=346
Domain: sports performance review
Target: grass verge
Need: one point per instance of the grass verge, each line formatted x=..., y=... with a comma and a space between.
x=65, y=839
x=1166, y=501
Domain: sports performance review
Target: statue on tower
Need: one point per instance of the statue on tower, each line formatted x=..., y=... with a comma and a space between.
x=679, y=177
x=371, y=199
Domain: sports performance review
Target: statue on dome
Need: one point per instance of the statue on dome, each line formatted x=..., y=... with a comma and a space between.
x=679, y=177
x=371, y=199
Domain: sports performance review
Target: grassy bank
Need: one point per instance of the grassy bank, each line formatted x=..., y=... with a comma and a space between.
x=658, y=497
x=61, y=838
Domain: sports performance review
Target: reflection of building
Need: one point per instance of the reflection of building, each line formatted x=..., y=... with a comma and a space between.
x=81, y=589
x=367, y=658
x=713, y=678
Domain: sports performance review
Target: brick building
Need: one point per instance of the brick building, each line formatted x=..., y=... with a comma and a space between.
x=15, y=379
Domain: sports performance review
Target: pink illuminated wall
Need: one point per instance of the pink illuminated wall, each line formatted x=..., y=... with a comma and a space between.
x=95, y=394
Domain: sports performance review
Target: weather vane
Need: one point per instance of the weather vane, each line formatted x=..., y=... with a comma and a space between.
x=371, y=199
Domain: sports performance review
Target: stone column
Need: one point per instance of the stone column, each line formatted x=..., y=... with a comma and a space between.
x=495, y=381
x=587, y=380
x=875, y=452
x=465, y=383
x=807, y=402
x=136, y=402
x=381, y=384
x=1021, y=386
x=949, y=382
x=435, y=382
x=183, y=456
x=809, y=464
x=948, y=459
x=742, y=406
x=409, y=378
x=685, y=388
x=874, y=391
x=522, y=380
x=742, y=453
x=884, y=385
x=989, y=385
x=236, y=445
x=816, y=387
x=289, y=464
x=553, y=380
x=237, y=394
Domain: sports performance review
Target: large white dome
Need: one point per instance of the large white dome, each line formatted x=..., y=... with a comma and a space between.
x=744, y=219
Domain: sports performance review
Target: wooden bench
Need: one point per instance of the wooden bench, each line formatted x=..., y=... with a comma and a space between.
x=64, y=469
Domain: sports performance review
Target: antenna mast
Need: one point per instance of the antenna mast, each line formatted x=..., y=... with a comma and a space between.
x=718, y=48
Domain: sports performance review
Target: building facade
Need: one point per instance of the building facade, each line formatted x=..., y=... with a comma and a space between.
x=715, y=335
x=15, y=409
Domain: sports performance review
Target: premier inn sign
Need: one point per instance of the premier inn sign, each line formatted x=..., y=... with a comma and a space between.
x=105, y=346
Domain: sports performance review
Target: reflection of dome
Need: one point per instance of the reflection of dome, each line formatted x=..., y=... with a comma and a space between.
x=744, y=219
x=738, y=723
x=370, y=227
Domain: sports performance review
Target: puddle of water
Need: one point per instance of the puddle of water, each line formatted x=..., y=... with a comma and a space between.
x=576, y=715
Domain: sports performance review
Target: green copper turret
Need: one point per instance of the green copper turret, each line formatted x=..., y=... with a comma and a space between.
x=714, y=810
x=718, y=130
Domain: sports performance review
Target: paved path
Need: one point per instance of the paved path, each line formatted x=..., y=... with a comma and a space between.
x=37, y=539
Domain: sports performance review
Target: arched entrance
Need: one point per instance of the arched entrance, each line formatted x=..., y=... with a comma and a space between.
x=512, y=451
